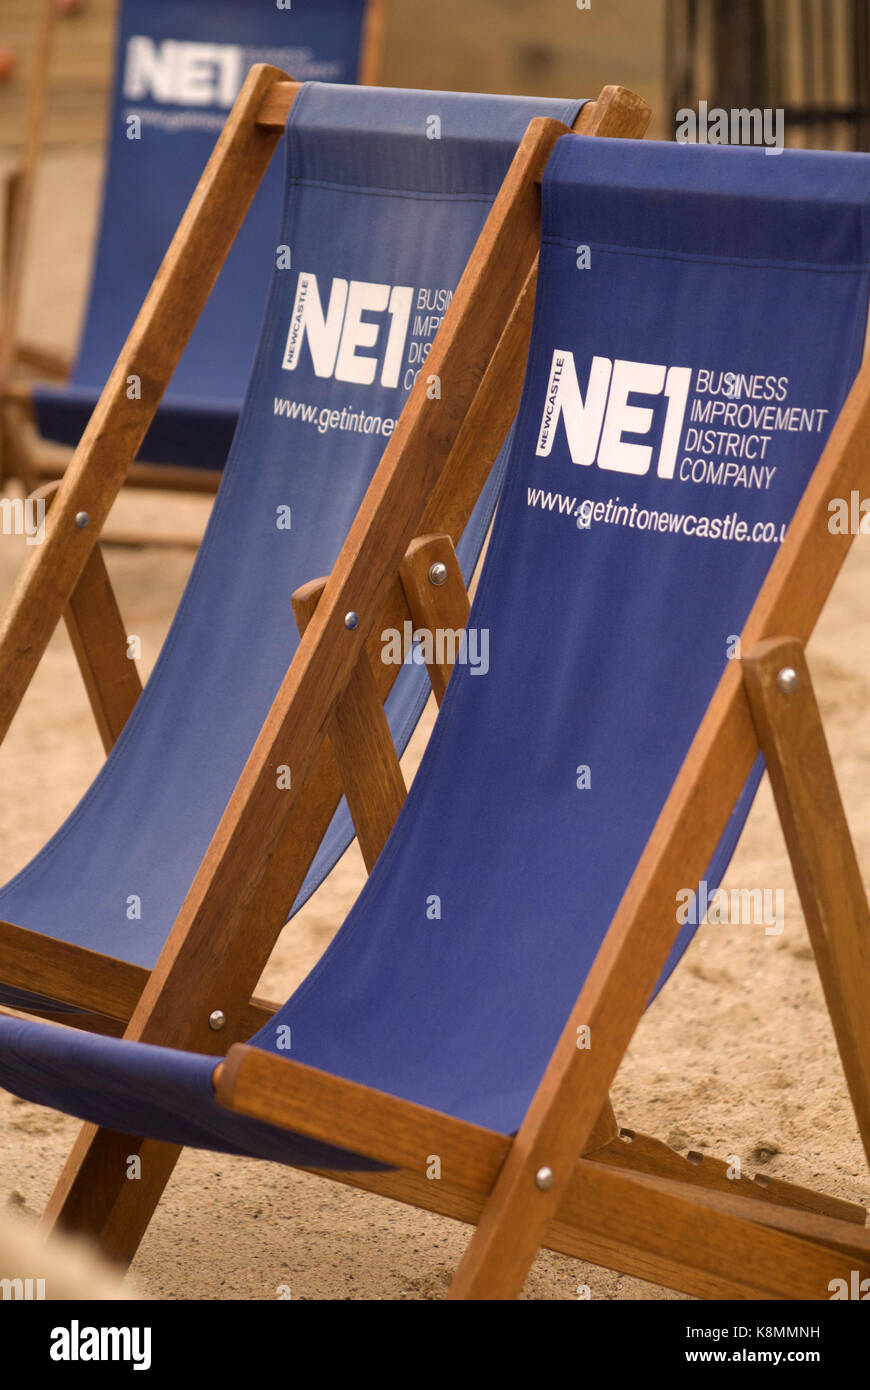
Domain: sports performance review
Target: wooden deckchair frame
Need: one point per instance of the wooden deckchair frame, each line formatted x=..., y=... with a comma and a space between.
x=67, y=577
x=17, y=459
x=559, y=1182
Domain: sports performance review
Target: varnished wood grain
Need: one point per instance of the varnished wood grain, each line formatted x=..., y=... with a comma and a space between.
x=85, y=979
x=268, y=1087
x=434, y=607
x=362, y=746
x=99, y=641
x=618, y=114
x=69, y=974
x=821, y=851
x=641, y=1153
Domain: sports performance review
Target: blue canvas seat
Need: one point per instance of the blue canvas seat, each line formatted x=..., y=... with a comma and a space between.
x=610, y=596
x=179, y=65
x=378, y=222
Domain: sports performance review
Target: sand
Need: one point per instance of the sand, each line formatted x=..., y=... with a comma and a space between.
x=735, y=1057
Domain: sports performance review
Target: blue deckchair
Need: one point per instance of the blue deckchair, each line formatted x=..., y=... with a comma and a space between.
x=616, y=579
x=381, y=221
x=178, y=69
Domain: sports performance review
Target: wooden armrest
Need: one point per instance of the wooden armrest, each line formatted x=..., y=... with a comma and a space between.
x=350, y=1116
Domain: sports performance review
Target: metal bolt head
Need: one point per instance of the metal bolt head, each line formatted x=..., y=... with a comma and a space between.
x=438, y=574
x=82, y=520
x=787, y=680
x=544, y=1179
x=351, y=619
x=216, y=1020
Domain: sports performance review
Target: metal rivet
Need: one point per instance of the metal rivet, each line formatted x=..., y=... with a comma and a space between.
x=787, y=680
x=82, y=520
x=351, y=619
x=544, y=1178
x=217, y=1020
x=438, y=574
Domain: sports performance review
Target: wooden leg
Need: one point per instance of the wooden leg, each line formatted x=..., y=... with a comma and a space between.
x=17, y=460
x=12, y=189
x=359, y=734
x=96, y=1195
x=820, y=847
x=362, y=745
x=99, y=641
x=366, y=755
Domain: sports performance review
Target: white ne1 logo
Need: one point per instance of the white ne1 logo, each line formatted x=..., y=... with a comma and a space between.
x=595, y=426
x=183, y=74
x=333, y=337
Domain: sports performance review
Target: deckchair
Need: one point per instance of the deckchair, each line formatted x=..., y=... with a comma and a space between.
x=179, y=66
x=89, y=916
x=440, y=1052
